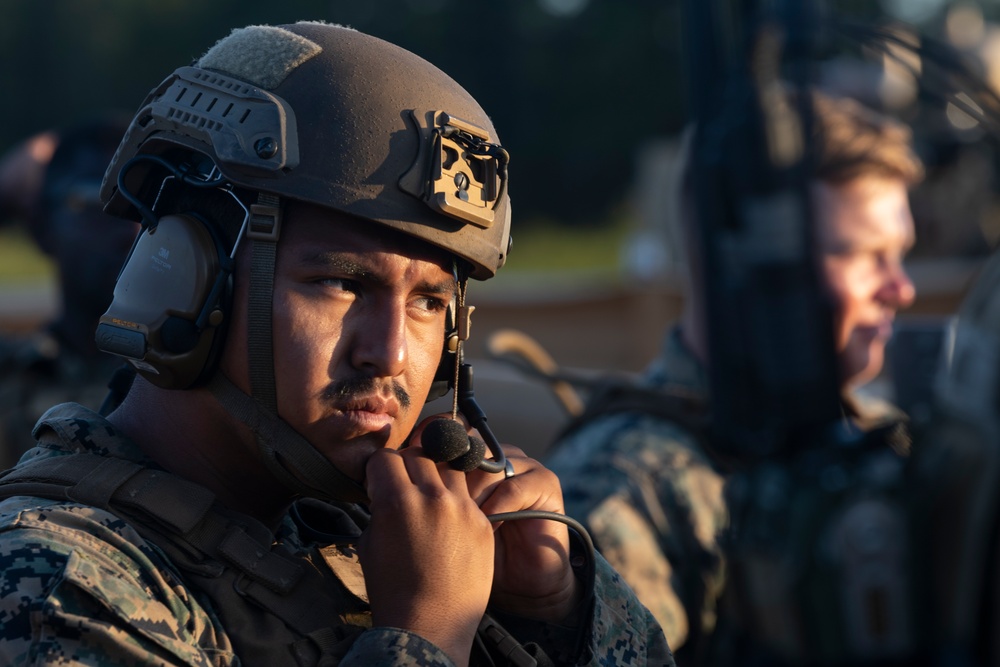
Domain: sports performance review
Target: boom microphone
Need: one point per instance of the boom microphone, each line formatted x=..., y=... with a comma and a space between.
x=445, y=440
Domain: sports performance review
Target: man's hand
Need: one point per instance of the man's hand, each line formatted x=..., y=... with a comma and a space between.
x=532, y=575
x=428, y=553
x=432, y=560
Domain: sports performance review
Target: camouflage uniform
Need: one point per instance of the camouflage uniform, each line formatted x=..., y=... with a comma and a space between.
x=141, y=568
x=652, y=499
x=37, y=372
x=651, y=494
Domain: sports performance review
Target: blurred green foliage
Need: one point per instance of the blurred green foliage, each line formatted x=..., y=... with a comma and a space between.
x=538, y=247
x=550, y=246
x=573, y=94
x=575, y=87
x=20, y=259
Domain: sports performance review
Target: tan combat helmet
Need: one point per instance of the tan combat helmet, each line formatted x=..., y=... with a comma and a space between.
x=318, y=113
x=328, y=115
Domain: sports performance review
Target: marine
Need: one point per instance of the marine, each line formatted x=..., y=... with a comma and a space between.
x=650, y=484
x=314, y=201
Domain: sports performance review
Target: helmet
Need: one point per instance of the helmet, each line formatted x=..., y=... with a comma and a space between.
x=314, y=112
x=328, y=115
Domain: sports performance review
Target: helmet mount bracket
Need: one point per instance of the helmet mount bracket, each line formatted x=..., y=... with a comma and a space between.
x=458, y=172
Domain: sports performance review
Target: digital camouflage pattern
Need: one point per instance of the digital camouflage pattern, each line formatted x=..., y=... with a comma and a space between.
x=652, y=499
x=37, y=372
x=145, y=582
x=651, y=494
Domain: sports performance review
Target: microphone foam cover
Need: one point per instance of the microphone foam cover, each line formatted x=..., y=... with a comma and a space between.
x=470, y=460
x=444, y=440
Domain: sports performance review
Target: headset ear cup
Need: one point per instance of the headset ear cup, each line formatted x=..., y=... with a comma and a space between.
x=160, y=317
x=179, y=335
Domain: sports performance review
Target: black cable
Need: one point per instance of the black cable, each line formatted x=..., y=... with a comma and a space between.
x=118, y=388
x=149, y=218
x=477, y=419
x=575, y=525
x=587, y=570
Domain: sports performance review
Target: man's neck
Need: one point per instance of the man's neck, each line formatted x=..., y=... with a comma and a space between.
x=190, y=435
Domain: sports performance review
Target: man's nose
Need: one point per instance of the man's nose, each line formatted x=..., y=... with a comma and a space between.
x=380, y=341
x=899, y=287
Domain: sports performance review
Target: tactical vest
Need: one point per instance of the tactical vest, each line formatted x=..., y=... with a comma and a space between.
x=824, y=565
x=276, y=606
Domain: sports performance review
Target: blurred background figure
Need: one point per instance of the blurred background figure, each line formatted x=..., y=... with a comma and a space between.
x=641, y=468
x=49, y=183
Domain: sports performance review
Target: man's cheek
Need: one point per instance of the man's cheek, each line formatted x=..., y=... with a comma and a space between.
x=842, y=327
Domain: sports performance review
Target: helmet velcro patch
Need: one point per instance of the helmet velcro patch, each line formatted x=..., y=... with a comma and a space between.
x=260, y=54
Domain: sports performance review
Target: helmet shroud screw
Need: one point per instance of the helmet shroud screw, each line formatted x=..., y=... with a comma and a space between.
x=266, y=148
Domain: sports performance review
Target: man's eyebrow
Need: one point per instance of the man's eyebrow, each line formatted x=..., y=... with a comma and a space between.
x=349, y=266
x=446, y=286
x=334, y=261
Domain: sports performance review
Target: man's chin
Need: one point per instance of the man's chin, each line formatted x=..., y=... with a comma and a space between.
x=862, y=366
x=350, y=454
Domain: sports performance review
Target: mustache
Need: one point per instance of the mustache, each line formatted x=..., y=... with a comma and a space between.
x=362, y=386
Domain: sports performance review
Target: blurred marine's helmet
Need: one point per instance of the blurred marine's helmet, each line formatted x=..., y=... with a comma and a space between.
x=328, y=115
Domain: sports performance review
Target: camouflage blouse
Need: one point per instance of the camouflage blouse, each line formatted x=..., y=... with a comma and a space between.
x=652, y=496
x=132, y=566
x=652, y=499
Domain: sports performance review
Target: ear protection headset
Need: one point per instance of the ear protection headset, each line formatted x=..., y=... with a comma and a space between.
x=171, y=301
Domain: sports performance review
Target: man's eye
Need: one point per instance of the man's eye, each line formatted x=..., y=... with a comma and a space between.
x=342, y=284
x=431, y=304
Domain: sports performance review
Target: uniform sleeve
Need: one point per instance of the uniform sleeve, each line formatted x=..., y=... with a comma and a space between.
x=616, y=629
x=393, y=647
x=76, y=590
x=653, y=504
x=622, y=630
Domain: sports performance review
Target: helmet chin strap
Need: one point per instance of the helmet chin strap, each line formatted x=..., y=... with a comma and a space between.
x=289, y=456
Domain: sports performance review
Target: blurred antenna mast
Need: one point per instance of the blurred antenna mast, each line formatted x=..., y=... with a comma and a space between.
x=773, y=372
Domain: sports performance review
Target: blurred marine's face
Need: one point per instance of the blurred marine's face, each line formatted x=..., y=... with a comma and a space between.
x=865, y=229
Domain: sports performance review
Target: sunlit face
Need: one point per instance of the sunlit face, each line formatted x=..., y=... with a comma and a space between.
x=865, y=229
x=358, y=331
